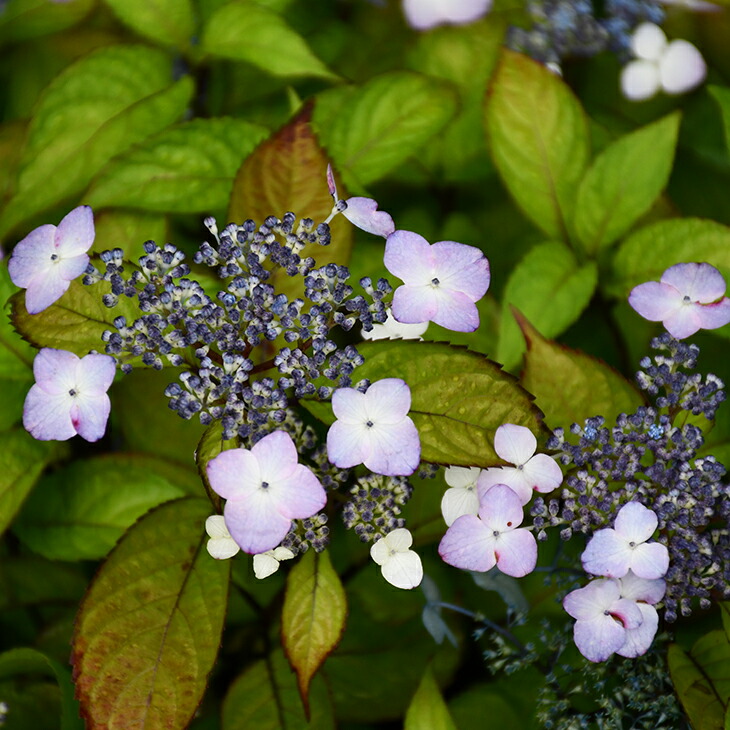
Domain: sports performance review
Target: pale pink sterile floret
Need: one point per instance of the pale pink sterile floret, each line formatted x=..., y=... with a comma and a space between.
x=374, y=429
x=364, y=213
x=645, y=593
x=425, y=14
x=531, y=472
x=493, y=537
x=265, y=488
x=442, y=281
x=49, y=258
x=612, y=552
x=603, y=618
x=69, y=396
x=461, y=498
x=687, y=298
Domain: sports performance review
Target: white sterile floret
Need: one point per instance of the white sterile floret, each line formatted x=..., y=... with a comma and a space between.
x=392, y=329
x=673, y=67
x=221, y=545
x=399, y=565
x=462, y=498
x=266, y=564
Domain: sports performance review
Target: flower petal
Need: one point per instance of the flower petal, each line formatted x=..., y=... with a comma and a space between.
x=501, y=509
x=234, y=474
x=408, y=256
x=516, y=552
x=403, y=570
x=48, y=417
x=685, y=321
x=640, y=80
x=462, y=476
x=388, y=401
x=32, y=255
x=655, y=301
x=638, y=640
x=414, y=304
x=650, y=560
x=215, y=526
x=300, y=495
x=395, y=449
x=348, y=445
x=635, y=523
x=607, y=553
x=399, y=539
x=592, y=600
x=454, y=310
x=75, y=233
x=349, y=406
x=640, y=589
x=45, y=289
x=681, y=67
x=598, y=639
x=468, y=544
x=648, y=42
x=277, y=456
x=90, y=414
x=95, y=373
x=264, y=565
x=515, y=444
x=222, y=548
x=459, y=501
x=712, y=316
x=55, y=370
x=364, y=213
x=461, y=268
x=543, y=473
x=700, y=282
x=254, y=523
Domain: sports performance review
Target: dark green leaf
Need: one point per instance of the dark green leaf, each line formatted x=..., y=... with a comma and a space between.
x=149, y=628
x=24, y=19
x=539, y=140
x=169, y=22
x=79, y=512
x=551, y=288
x=623, y=183
x=186, y=169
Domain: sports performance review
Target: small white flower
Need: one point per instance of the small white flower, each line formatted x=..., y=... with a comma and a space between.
x=462, y=498
x=400, y=566
x=221, y=545
x=266, y=564
x=673, y=67
x=392, y=329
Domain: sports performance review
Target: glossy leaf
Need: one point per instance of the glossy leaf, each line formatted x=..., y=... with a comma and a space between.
x=22, y=460
x=75, y=322
x=458, y=398
x=149, y=628
x=169, y=22
x=266, y=697
x=428, y=710
x=29, y=661
x=79, y=512
x=288, y=172
x=95, y=109
x=369, y=130
x=243, y=30
x=670, y=242
x=697, y=693
x=313, y=616
x=128, y=230
x=538, y=135
x=623, y=183
x=551, y=288
x=24, y=19
x=186, y=169
x=569, y=385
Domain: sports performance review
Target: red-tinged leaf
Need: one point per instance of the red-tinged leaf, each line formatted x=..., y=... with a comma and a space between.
x=149, y=628
x=313, y=617
x=570, y=386
x=288, y=172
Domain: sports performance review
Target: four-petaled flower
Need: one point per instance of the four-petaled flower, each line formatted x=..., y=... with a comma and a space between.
x=69, y=395
x=49, y=258
x=221, y=545
x=492, y=538
x=673, y=67
x=517, y=445
x=687, y=298
x=265, y=489
x=462, y=498
x=425, y=14
x=373, y=428
x=399, y=565
x=392, y=329
x=266, y=564
x=613, y=552
x=442, y=281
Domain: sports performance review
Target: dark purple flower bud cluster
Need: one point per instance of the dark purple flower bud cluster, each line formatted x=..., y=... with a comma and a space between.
x=650, y=456
x=223, y=341
x=375, y=505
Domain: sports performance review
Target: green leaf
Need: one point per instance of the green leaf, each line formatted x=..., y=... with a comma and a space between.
x=79, y=512
x=75, y=322
x=266, y=697
x=22, y=460
x=370, y=130
x=428, y=710
x=697, y=693
x=458, y=398
x=101, y=105
x=721, y=95
x=24, y=19
x=128, y=230
x=186, y=169
x=551, y=288
x=288, y=172
x=149, y=628
x=570, y=386
x=169, y=22
x=313, y=616
x=29, y=580
x=538, y=134
x=243, y=30
x=29, y=661
x=623, y=183
x=669, y=242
